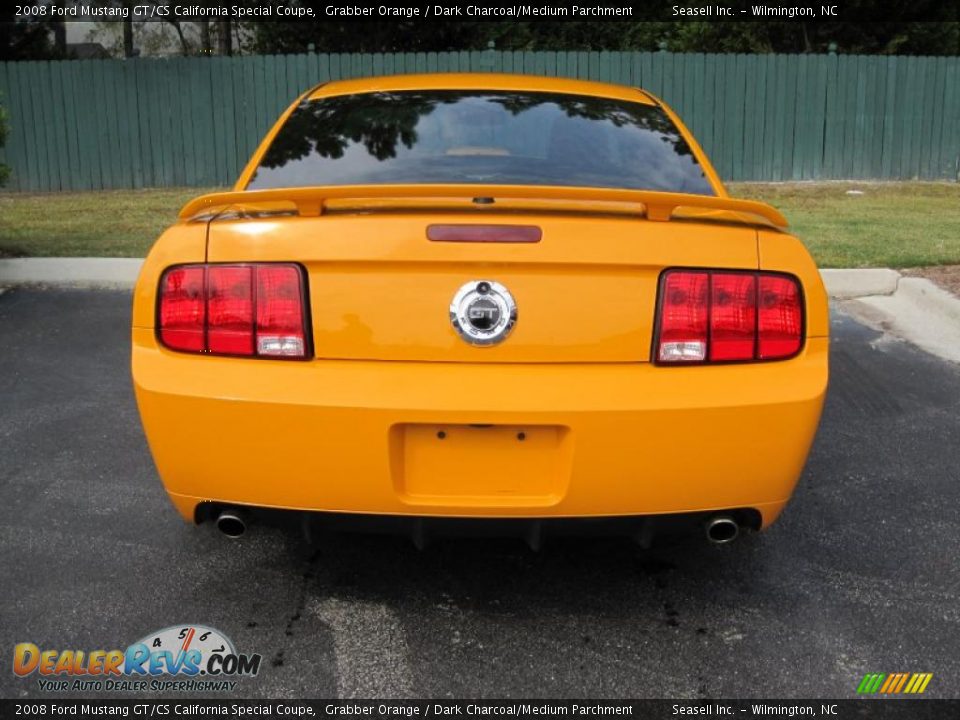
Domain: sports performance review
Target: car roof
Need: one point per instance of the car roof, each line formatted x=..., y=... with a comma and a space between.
x=481, y=81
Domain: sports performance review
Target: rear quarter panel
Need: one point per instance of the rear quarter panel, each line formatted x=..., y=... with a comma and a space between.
x=783, y=252
x=185, y=242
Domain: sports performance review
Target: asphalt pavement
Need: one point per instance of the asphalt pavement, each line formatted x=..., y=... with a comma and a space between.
x=860, y=575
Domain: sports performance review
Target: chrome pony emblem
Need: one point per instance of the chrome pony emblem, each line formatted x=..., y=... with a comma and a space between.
x=483, y=312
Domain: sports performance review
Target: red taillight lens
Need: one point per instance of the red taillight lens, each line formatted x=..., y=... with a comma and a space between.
x=723, y=316
x=183, y=309
x=246, y=310
x=781, y=317
x=280, y=313
x=733, y=316
x=683, y=317
x=230, y=310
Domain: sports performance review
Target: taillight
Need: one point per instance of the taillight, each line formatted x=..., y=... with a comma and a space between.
x=683, y=317
x=253, y=310
x=728, y=316
x=230, y=309
x=183, y=309
x=781, y=317
x=733, y=316
x=280, y=318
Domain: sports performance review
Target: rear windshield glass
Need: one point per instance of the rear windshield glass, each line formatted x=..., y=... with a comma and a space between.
x=473, y=137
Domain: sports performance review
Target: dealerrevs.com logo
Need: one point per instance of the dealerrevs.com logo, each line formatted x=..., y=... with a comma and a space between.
x=186, y=658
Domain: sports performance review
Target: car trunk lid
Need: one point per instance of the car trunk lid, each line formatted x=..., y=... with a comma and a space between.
x=381, y=289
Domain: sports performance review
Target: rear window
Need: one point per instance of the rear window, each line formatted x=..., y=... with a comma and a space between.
x=480, y=137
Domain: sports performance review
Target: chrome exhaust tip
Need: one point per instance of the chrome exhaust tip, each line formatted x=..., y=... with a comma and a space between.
x=232, y=523
x=722, y=530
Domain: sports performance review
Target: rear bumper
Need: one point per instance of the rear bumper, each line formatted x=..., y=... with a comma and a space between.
x=478, y=440
x=645, y=530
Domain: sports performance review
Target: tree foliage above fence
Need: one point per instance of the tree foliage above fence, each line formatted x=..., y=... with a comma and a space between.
x=909, y=38
x=45, y=39
x=195, y=121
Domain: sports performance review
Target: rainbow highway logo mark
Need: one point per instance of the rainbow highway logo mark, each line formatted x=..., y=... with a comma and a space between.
x=894, y=683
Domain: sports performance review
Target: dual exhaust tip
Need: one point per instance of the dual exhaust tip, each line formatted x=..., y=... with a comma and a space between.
x=232, y=523
x=720, y=529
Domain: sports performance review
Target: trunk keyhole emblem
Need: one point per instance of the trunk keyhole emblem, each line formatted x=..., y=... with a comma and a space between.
x=483, y=312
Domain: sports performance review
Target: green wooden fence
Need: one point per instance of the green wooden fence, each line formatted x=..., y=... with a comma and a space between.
x=85, y=124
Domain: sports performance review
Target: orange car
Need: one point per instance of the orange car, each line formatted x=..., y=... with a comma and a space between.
x=481, y=297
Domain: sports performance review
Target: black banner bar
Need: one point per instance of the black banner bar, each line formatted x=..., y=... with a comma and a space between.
x=487, y=11
x=884, y=709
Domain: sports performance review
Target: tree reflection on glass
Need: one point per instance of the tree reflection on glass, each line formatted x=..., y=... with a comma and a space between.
x=431, y=136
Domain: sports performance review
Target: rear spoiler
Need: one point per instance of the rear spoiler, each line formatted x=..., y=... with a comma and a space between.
x=310, y=201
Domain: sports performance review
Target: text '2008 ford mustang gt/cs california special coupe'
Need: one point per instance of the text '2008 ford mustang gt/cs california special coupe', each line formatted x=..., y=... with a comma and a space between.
x=483, y=298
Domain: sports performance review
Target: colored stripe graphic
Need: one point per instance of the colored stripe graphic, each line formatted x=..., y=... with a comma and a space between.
x=894, y=683
x=870, y=683
x=918, y=683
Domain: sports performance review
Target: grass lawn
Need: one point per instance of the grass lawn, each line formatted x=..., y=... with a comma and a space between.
x=110, y=223
x=896, y=225
x=889, y=225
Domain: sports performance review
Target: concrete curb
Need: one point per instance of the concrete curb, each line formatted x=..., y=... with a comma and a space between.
x=122, y=272
x=848, y=284
x=921, y=291
x=919, y=311
x=71, y=272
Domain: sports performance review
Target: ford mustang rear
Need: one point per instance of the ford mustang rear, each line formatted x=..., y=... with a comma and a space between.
x=480, y=297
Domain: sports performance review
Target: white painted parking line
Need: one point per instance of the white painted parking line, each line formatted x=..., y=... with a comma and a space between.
x=370, y=647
